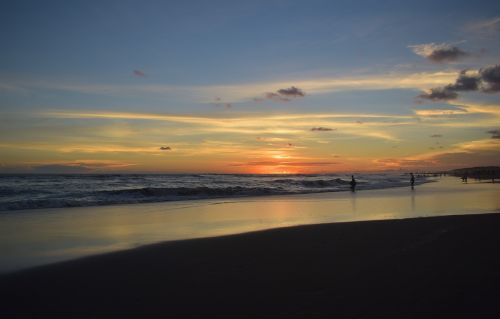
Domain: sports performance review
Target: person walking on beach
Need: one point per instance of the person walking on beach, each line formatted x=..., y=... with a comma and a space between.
x=353, y=184
x=412, y=180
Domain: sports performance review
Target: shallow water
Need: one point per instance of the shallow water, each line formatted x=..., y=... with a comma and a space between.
x=29, y=238
x=20, y=192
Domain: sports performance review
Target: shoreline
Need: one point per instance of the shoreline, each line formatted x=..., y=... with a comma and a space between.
x=407, y=268
x=53, y=235
x=241, y=197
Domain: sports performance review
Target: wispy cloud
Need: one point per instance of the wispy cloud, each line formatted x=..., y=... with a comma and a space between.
x=212, y=120
x=246, y=92
x=478, y=152
x=459, y=116
x=97, y=148
x=488, y=27
x=294, y=124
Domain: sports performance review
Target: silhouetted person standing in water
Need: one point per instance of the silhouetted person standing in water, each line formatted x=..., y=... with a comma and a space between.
x=353, y=184
x=412, y=180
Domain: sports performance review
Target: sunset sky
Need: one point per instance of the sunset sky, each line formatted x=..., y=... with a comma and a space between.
x=248, y=86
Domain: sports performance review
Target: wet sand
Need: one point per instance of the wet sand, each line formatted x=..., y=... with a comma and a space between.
x=439, y=267
x=36, y=237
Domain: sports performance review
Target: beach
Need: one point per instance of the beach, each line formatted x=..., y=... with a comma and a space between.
x=412, y=268
x=385, y=253
x=369, y=254
x=37, y=237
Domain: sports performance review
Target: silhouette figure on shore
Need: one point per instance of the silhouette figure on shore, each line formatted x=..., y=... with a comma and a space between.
x=412, y=180
x=353, y=184
x=464, y=178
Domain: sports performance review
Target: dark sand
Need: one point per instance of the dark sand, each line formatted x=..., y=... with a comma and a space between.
x=442, y=267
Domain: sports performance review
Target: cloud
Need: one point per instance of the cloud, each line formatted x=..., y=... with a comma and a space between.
x=275, y=97
x=486, y=28
x=479, y=152
x=165, y=148
x=494, y=133
x=274, y=125
x=442, y=111
x=291, y=92
x=393, y=163
x=465, y=82
x=439, y=94
x=239, y=92
x=439, y=52
x=436, y=135
x=322, y=129
x=281, y=95
x=485, y=80
x=139, y=73
x=270, y=139
x=491, y=78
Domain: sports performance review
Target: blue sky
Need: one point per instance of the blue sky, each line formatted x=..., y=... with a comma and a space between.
x=219, y=59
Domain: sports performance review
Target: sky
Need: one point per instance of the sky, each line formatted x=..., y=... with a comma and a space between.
x=259, y=87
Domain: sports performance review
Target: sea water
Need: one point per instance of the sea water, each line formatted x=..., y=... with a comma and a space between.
x=21, y=192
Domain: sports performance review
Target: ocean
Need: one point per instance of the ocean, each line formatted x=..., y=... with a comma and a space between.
x=21, y=192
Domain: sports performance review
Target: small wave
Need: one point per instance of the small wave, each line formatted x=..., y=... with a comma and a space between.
x=324, y=183
x=142, y=195
x=195, y=191
x=317, y=183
